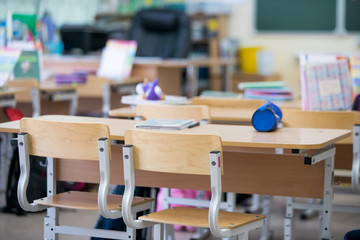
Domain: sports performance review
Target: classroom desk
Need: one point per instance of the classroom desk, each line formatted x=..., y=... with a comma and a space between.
x=7, y=96
x=61, y=93
x=97, y=87
x=33, y=89
x=168, y=71
x=217, y=114
x=250, y=162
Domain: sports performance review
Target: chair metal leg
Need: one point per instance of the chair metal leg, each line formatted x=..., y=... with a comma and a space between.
x=230, y=201
x=265, y=231
x=131, y=232
x=310, y=213
x=159, y=231
x=168, y=229
x=243, y=236
x=201, y=233
x=50, y=223
x=169, y=232
x=255, y=203
x=106, y=98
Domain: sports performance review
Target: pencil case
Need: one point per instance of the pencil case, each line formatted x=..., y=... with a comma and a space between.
x=267, y=117
x=70, y=78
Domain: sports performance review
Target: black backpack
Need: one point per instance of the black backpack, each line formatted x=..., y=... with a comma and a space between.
x=37, y=183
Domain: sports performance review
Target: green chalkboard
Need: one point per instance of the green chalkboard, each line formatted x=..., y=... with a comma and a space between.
x=296, y=15
x=352, y=19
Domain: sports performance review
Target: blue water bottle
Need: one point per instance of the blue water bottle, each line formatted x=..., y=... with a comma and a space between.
x=267, y=117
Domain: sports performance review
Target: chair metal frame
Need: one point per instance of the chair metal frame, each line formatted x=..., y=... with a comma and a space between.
x=214, y=206
x=51, y=220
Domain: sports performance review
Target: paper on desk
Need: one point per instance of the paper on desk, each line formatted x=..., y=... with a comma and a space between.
x=117, y=59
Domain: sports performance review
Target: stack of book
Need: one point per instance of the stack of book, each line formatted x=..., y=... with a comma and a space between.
x=268, y=90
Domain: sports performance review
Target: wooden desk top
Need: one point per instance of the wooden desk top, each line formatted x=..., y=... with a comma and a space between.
x=216, y=113
x=65, y=64
x=123, y=112
x=11, y=91
x=181, y=63
x=51, y=86
x=236, y=136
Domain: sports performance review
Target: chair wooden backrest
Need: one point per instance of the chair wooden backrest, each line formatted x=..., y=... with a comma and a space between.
x=170, y=153
x=346, y=157
x=30, y=83
x=64, y=139
x=321, y=119
x=93, y=87
x=228, y=102
x=148, y=111
x=173, y=152
x=52, y=139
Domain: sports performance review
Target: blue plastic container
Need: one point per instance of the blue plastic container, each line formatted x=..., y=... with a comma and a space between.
x=267, y=117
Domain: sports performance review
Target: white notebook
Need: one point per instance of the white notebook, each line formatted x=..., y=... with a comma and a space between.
x=175, y=124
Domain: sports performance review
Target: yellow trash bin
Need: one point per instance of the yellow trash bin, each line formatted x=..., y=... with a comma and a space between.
x=247, y=57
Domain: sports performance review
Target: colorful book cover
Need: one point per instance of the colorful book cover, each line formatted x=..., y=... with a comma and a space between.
x=8, y=59
x=282, y=94
x=263, y=84
x=117, y=59
x=355, y=73
x=28, y=65
x=326, y=86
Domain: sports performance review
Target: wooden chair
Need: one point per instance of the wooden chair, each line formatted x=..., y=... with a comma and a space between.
x=99, y=87
x=228, y=102
x=181, y=154
x=347, y=158
x=33, y=95
x=88, y=142
x=198, y=113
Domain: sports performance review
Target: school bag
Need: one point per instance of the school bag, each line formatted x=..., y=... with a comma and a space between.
x=37, y=180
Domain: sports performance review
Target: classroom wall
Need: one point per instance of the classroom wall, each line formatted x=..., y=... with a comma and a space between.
x=62, y=11
x=285, y=46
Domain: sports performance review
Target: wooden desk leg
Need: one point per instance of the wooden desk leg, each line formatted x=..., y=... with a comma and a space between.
x=170, y=80
x=192, y=81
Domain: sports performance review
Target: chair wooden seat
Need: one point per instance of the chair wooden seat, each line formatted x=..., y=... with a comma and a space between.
x=197, y=217
x=86, y=200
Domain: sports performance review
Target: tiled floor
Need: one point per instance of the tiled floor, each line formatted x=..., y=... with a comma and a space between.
x=30, y=226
